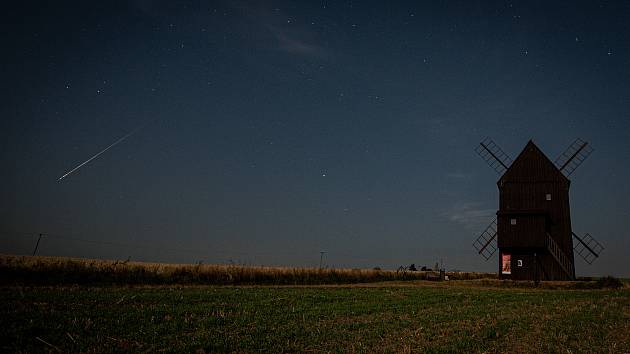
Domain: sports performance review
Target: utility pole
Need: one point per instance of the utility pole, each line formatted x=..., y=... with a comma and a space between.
x=37, y=244
x=321, y=258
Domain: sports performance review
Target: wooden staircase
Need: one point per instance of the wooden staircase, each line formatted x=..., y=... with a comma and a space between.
x=559, y=256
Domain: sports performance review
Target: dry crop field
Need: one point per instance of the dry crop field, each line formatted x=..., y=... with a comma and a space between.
x=392, y=316
x=60, y=270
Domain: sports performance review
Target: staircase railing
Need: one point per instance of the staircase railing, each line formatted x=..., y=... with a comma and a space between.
x=559, y=256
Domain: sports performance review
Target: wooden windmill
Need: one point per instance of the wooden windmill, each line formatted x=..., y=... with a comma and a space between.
x=532, y=230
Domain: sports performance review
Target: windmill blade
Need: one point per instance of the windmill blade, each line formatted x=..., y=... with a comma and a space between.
x=573, y=156
x=486, y=243
x=587, y=247
x=493, y=155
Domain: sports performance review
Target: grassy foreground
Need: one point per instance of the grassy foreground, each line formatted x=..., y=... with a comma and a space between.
x=415, y=316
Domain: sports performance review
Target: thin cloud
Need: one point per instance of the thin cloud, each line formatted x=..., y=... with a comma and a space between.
x=294, y=39
x=288, y=42
x=470, y=214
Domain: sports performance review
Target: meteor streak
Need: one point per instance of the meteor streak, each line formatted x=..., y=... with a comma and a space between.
x=97, y=155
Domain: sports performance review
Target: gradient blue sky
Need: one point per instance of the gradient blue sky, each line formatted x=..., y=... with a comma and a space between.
x=272, y=130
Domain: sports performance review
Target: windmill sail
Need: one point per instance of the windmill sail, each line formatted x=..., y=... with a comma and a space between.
x=493, y=155
x=573, y=156
x=486, y=243
x=587, y=247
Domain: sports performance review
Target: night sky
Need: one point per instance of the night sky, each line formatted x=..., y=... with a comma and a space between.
x=265, y=132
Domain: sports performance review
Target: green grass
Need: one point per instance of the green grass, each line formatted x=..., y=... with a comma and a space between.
x=413, y=316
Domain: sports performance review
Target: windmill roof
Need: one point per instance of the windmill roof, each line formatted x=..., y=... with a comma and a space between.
x=532, y=165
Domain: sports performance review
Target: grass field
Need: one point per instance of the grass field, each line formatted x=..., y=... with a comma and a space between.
x=77, y=305
x=415, y=316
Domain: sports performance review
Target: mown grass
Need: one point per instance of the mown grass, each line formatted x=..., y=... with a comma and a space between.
x=417, y=316
x=25, y=270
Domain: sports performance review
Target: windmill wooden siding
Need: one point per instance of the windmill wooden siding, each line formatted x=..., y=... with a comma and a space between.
x=534, y=205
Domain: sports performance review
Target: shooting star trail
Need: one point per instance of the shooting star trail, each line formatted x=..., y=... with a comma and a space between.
x=102, y=151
